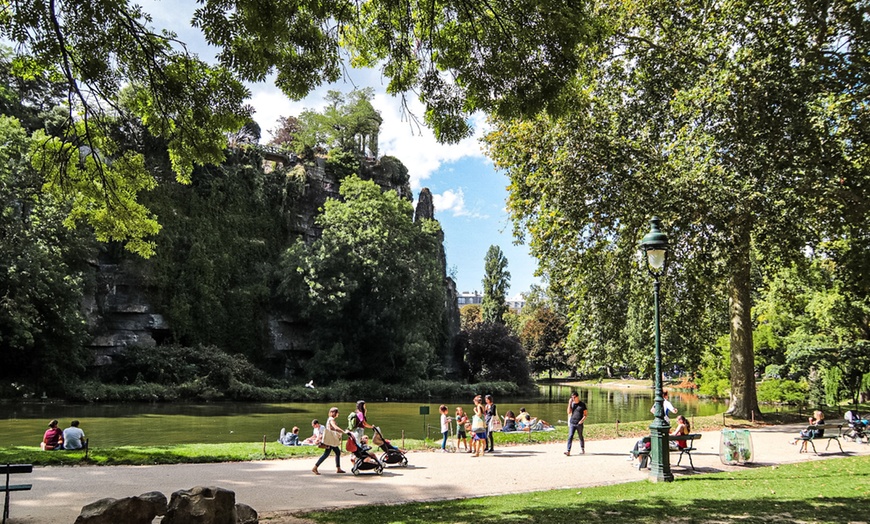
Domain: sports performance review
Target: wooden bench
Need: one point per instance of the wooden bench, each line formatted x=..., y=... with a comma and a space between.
x=809, y=438
x=687, y=451
x=11, y=469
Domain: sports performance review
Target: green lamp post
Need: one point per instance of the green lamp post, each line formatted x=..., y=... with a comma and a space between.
x=655, y=246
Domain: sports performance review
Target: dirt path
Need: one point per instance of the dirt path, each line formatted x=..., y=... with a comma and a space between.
x=281, y=489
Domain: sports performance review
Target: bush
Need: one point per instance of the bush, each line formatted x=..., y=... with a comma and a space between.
x=780, y=391
x=718, y=388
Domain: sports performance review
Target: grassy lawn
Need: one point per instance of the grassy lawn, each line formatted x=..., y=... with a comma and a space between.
x=836, y=490
x=240, y=452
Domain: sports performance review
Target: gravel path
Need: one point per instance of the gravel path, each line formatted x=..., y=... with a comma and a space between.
x=278, y=489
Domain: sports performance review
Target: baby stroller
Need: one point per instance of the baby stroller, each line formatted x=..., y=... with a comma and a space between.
x=363, y=459
x=858, y=427
x=392, y=454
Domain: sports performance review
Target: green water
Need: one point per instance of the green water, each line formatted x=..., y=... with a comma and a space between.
x=161, y=424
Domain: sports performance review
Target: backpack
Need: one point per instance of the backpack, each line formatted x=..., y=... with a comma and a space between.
x=352, y=421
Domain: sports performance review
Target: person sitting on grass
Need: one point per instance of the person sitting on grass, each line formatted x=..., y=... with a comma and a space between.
x=74, y=437
x=524, y=420
x=53, y=437
x=316, y=436
x=510, y=422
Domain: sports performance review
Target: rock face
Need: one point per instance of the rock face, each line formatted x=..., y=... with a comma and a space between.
x=119, y=313
x=131, y=510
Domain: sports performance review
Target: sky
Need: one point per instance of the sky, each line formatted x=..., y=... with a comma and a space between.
x=468, y=192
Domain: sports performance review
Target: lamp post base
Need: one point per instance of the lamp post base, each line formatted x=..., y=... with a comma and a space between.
x=660, y=458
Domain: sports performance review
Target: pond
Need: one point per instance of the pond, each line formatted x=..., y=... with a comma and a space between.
x=164, y=424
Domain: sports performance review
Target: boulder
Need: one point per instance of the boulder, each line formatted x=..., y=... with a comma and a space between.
x=130, y=510
x=246, y=515
x=201, y=505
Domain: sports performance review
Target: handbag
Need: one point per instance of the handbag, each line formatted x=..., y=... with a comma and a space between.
x=495, y=423
x=477, y=424
x=332, y=438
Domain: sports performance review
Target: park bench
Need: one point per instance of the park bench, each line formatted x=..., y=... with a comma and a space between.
x=643, y=455
x=11, y=469
x=809, y=438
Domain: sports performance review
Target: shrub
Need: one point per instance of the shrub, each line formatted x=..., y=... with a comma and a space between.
x=782, y=391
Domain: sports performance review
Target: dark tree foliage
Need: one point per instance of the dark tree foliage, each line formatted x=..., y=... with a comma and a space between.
x=221, y=240
x=42, y=276
x=491, y=352
x=371, y=289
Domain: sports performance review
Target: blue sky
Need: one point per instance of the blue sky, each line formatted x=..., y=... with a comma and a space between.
x=469, y=193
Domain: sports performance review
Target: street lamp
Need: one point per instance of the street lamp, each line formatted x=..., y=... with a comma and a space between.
x=655, y=245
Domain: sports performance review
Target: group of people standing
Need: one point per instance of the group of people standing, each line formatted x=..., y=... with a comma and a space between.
x=484, y=421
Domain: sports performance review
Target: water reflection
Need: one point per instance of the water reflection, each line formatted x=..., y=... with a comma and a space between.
x=161, y=424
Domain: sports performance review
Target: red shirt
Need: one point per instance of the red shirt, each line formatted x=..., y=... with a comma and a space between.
x=52, y=437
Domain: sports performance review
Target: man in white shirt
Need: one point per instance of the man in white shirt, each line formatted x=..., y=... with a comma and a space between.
x=667, y=407
x=73, y=436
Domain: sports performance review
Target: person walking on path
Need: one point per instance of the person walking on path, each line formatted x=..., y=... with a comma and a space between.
x=332, y=441
x=576, y=416
x=491, y=418
x=360, y=422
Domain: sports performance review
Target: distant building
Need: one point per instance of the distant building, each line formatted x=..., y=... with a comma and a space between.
x=515, y=303
x=465, y=298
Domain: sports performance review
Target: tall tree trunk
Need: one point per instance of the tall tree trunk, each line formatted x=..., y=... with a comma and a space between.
x=744, y=401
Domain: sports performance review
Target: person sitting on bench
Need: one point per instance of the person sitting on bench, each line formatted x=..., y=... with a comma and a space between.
x=683, y=428
x=818, y=419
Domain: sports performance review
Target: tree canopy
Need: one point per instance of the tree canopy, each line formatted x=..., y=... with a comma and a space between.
x=736, y=122
x=459, y=56
x=371, y=289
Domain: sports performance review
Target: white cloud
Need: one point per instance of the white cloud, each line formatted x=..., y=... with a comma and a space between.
x=454, y=202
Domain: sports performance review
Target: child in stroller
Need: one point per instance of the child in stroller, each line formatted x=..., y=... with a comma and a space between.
x=392, y=454
x=363, y=459
x=859, y=429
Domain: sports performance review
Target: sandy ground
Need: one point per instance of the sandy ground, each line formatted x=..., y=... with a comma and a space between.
x=280, y=489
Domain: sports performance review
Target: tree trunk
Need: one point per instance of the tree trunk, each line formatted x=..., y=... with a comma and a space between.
x=744, y=401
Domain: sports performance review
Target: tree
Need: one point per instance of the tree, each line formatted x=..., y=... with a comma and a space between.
x=371, y=287
x=496, y=280
x=493, y=353
x=42, y=276
x=543, y=337
x=822, y=322
x=512, y=57
x=348, y=123
x=738, y=121
x=285, y=134
x=469, y=317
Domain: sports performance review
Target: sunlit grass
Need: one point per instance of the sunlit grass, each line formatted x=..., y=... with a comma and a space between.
x=836, y=490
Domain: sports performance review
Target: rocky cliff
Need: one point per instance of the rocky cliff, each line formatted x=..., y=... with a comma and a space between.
x=120, y=311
